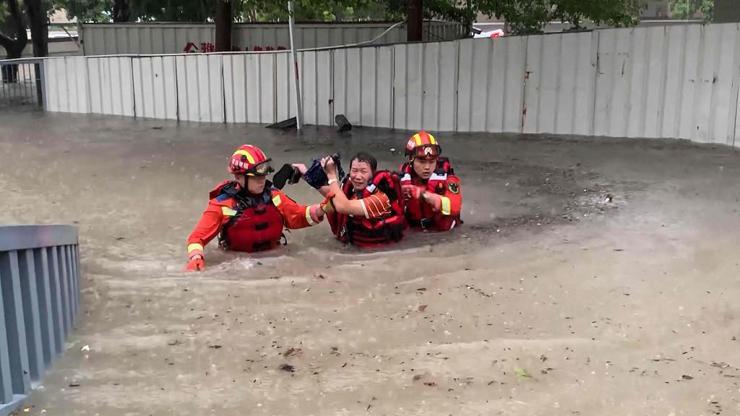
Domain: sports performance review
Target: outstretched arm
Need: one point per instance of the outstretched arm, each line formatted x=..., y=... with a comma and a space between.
x=207, y=228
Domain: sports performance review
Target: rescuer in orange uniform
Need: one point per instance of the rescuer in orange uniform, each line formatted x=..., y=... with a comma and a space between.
x=247, y=213
x=432, y=192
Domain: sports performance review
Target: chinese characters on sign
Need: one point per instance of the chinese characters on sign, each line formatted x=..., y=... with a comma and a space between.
x=207, y=47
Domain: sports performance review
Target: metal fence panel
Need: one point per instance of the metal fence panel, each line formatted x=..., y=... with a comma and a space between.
x=46, y=311
x=339, y=81
x=110, y=85
x=324, y=114
x=384, y=91
x=674, y=65
x=21, y=83
x=353, y=80
x=154, y=89
x=6, y=376
x=268, y=66
x=689, y=90
x=38, y=304
x=15, y=327
x=309, y=89
x=200, y=95
x=52, y=83
x=31, y=311
x=367, y=87
x=673, y=81
x=55, y=286
x=283, y=105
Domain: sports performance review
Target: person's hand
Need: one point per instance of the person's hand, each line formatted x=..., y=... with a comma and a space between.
x=301, y=167
x=329, y=167
x=411, y=191
x=433, y=199
x=327, y=207
x=316, y=212
x=196, y=264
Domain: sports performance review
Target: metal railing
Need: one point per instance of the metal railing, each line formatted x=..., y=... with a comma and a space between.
x=39, y=300
x=22, y=83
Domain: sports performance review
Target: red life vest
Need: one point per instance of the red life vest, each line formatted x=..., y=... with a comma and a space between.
x=365, y=232
x=255, y=224
x=418, y=213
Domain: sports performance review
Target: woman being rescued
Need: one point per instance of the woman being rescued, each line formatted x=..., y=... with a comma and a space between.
x=366, y=208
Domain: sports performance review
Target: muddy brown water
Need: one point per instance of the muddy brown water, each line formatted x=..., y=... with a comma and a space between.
x=592, y=276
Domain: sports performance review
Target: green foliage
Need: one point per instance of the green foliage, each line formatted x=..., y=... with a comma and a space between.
x=530, y=16
x=688, y=9
x=4, y=14
x=313, y=10
x=523, y=16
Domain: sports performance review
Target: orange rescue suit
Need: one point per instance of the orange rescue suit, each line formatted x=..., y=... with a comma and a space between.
x=444, y=183
x=247, y=222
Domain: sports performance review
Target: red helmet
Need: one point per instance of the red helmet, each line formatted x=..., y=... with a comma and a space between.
x=249, y=160
x=422, y=145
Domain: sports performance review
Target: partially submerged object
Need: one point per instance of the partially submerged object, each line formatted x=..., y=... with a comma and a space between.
x=343, y=123
x=284, y=125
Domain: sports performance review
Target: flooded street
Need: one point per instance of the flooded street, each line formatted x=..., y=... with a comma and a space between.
x=592, y=276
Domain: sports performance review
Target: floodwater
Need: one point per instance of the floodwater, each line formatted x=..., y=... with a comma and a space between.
x=592, y=276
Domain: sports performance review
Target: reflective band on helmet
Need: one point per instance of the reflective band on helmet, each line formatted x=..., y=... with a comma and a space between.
x=241, y=152
x=228, y=211
x=276, y=200
x=195, y=246
x=446, y=206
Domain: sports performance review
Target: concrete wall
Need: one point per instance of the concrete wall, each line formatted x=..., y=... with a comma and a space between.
x=672, y=82
x=169, y=38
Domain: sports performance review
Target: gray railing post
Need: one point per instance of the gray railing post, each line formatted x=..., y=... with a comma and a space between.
x=39, y=300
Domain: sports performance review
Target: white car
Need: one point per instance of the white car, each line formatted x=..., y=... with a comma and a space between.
x=492, y=34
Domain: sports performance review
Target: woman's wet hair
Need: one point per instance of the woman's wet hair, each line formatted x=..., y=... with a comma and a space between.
x=365, y=157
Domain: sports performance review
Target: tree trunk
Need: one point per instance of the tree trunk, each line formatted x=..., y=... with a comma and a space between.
x=121, y=11
x=14, y=43
x=37, y=21
x=223, y=25
x=414, y=21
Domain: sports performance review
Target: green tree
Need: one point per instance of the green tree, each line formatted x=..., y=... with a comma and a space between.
x=531, y=16
x=687, y=9
x=523, y=16
x=13, y=37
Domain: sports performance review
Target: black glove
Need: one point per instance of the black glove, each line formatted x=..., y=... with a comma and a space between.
x=286, y=174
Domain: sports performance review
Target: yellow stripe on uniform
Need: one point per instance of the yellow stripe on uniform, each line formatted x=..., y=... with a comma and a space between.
x=250, y=159
x=195, y=246
x=228, y=211
x=276, y=200
x=446, y=206
x=308, y=216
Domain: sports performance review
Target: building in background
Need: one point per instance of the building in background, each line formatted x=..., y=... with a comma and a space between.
x=655, y=9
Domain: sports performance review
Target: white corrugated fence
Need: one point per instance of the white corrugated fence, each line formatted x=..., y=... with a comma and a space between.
x=672, y=82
